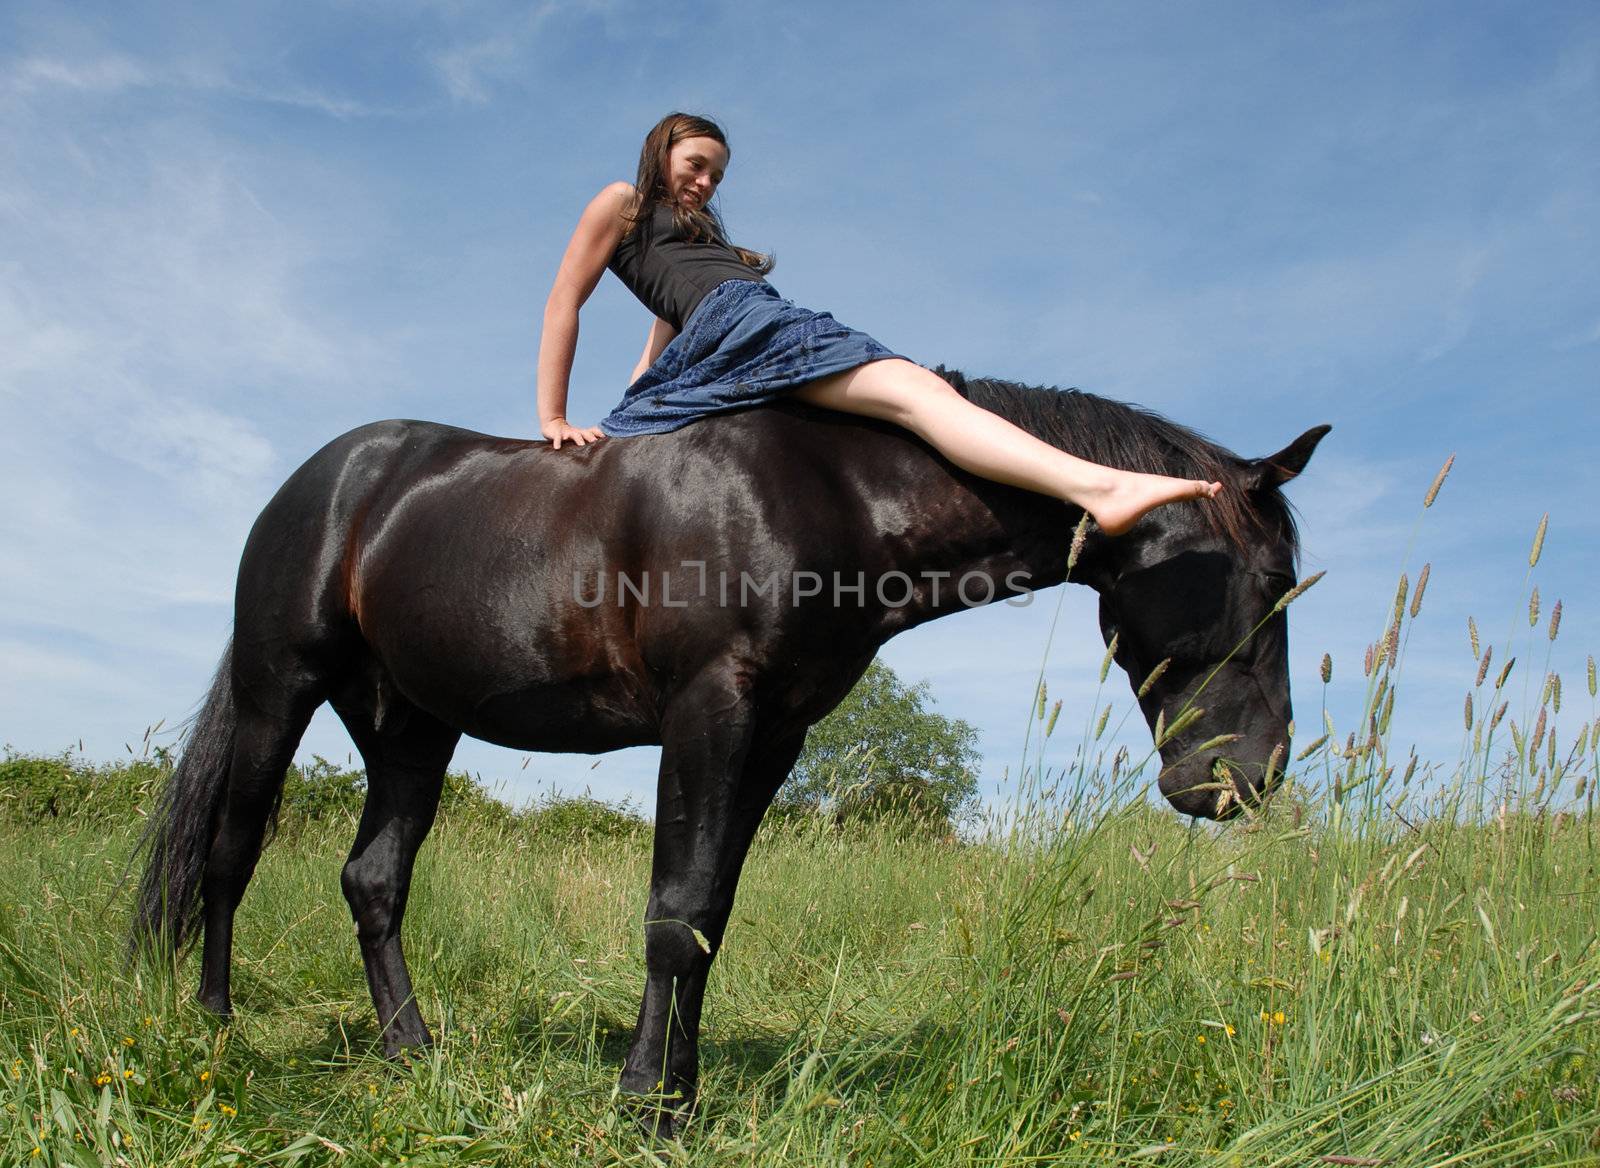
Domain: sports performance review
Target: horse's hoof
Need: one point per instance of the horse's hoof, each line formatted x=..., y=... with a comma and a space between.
x=218, y=1006
x=398, y=1049
x=659, y=1116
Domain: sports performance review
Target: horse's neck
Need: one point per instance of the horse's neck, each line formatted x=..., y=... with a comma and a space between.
x=970, y=529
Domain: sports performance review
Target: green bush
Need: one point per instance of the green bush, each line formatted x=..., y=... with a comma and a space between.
x=43, y=788
x=581, y=817
x=320, y=791
x=49, y=788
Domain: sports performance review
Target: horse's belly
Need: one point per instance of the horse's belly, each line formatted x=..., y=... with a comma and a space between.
x=574, y=717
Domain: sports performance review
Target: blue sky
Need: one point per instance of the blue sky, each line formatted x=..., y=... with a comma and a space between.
x=229, y=233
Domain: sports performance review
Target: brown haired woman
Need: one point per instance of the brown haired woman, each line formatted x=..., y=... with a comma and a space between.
x=724, y=339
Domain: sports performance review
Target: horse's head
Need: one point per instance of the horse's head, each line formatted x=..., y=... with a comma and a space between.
x=1177, y=590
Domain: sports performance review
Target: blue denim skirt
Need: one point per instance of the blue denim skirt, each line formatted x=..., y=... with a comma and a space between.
x=742, y=346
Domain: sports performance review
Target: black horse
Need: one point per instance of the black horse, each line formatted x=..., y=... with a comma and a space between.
x=716, y=590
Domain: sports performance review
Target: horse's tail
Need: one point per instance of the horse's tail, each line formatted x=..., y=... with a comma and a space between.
x=177, y=836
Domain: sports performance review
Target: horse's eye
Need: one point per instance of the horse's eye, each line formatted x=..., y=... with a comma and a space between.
x=1278, y=582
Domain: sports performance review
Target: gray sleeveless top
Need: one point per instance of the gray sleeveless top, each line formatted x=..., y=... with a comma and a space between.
x=670, y=273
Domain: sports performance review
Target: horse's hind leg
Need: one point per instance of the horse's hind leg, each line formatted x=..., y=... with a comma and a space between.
x=267, y=733
x=406, y=752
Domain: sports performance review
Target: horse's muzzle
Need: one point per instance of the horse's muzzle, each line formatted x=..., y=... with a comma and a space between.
x=1216, y=784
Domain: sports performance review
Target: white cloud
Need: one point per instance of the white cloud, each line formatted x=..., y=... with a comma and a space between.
x=102, y=75
x=469, y=69
x=110, y=74
x=150, y=298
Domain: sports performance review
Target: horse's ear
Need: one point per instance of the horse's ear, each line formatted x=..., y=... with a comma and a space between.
x=1277, y=469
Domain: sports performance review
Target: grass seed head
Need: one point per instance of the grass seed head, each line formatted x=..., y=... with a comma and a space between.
x=1498, y=714
x=1533, y=607
x=1155, y=676
x=1422, y=585
x=1327, y=669
x=1179, y=724
x=1538, y=540
x=1312, y=749
x=1297, y=591
x=1483, y=664
x=1591, y=676
x=1468, y=713
x=1500, y=681
x=1472, y=634
x=1438, y=481
x=1079, y=535
x=1055, y=712
x=1555, y=620
x=1111, y=653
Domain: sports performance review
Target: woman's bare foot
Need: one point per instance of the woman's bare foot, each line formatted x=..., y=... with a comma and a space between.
x=1127, y=497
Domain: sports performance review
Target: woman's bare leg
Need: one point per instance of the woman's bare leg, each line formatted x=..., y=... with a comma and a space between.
x=984, y=443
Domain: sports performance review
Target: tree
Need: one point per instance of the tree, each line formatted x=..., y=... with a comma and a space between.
x=881, y=752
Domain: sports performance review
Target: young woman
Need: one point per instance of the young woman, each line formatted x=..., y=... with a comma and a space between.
x=723, y=339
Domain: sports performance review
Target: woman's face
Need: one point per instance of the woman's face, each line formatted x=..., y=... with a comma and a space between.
x=694, y=168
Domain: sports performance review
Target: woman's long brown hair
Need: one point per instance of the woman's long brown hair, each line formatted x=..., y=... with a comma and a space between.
x=651, y=184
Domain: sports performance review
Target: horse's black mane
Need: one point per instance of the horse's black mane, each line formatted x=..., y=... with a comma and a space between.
x=1132, y=438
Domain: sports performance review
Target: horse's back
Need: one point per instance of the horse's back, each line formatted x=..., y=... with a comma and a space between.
x=447, y=558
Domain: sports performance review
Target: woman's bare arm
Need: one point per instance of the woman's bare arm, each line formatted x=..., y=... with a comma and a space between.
x=661, y=334
x=599, y=230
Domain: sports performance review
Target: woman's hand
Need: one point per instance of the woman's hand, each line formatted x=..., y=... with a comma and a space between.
x=559, y=430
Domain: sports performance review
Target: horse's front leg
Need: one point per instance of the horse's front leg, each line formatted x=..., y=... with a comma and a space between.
x=714, y=788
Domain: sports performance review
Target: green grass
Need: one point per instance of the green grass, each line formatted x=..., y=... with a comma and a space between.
x=1268, y=993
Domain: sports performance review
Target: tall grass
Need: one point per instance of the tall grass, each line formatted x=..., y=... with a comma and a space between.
x=1390, y=964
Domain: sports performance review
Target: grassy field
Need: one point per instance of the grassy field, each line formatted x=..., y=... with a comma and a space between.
x=1317, y=985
